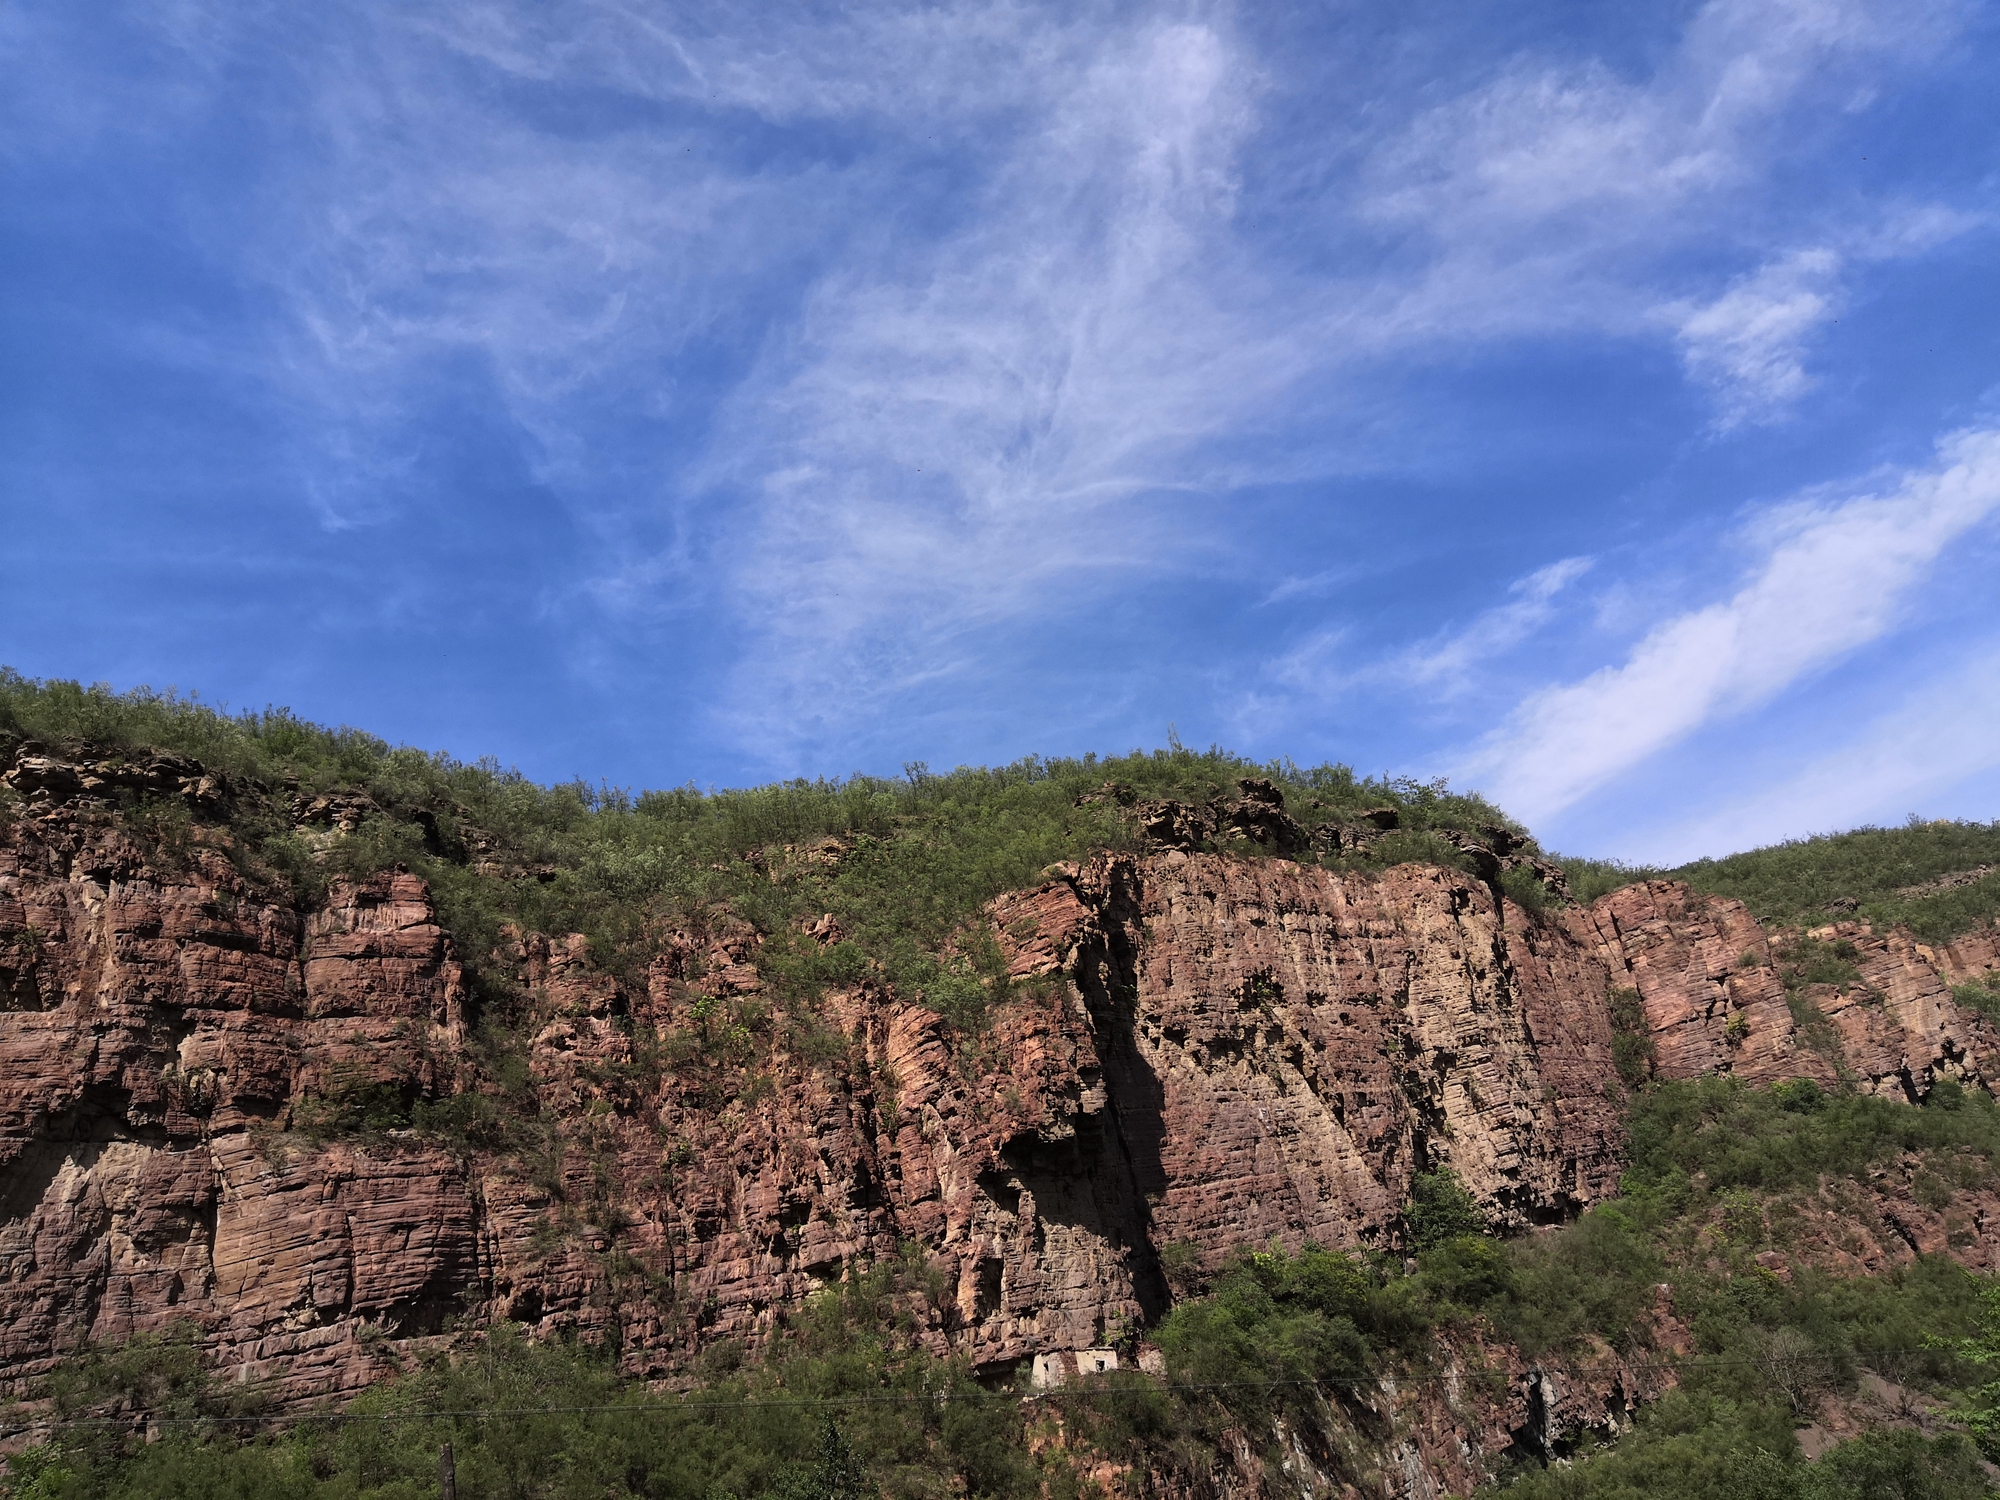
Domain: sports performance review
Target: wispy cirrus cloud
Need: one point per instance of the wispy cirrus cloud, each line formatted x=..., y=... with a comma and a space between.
x=1323, y=668
x=947, y=445
x=1925, y=744
x=1020, y=408
x=1749, y=342
x=914, y=328
x=1562, y=195
x=1834, y=576
x=1450, y=661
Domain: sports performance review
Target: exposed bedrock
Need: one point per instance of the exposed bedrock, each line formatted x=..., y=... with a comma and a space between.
x=1207, y=1051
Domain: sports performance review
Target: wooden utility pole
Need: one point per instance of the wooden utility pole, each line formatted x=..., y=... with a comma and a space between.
x=447, y=1475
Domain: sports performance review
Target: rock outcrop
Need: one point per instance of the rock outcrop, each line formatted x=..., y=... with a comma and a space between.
x=1716, y=998
x=206, y=1098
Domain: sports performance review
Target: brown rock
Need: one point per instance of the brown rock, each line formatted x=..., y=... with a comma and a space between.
x=1198, y=1048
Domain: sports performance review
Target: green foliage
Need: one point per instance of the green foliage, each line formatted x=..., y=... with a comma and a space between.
x=1801, y=1096
x=835, y=1474
x=848, y=1405
x=1875, y=869
x=354, y=1109
x=1595, y=1278
x=1420, y=846
x=1524, y=888
x=1180, y=1263
x=1881, y=875
x=1981, y=1350
x=1690, y=1444
x=1631, y=1038
x=1276, y=1335
x=1708, y=1159
x=1440, y=1209
x=903, y=863
x=1982, y=995
x=1737, y=1136
x=1902, y=1465
x=1274, y=1331
x=1699, y=1204
x=1811, y=961
x=1591, y=878
x=468, y=1121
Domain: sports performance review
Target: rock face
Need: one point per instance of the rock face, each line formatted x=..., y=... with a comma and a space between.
x=1203, y=1051
x=1715, y=1000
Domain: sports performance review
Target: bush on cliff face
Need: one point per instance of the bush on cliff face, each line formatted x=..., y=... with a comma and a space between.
x=1732, y=1135
x=1277, y=1333
x=1440, y=1209
x=1982, y=995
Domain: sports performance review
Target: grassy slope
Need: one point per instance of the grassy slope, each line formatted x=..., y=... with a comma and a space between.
x=1875, y=874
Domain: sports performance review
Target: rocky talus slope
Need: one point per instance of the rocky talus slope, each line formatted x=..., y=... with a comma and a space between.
x=1208, y=1050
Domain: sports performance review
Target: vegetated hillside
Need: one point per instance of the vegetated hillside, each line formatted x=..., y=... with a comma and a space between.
x=1937, y=878
x=800, y=1140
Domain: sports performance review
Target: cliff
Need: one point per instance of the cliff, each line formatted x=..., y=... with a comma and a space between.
x=1200, y=1051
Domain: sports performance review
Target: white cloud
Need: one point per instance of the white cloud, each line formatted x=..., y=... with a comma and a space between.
x=1602, y=152
x=1835, y=576
x=945, y=448
x=1749, y=342
x=995, y=426
x=1929, y=744
x=1026, y=391
x=1444, y=666
x=1560, y=195
x=1448, y=661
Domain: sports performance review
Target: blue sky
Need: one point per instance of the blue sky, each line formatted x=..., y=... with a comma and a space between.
x=1596, y=405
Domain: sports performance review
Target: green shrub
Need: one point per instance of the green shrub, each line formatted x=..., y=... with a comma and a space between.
x=1592, y=878
x=1880, y=870
x=1982, y=995
x=571, y=1426
x=1440, y=1209
x=1691, y=1446
x=1273, y=1330
x=1524, y=888
x=1801, y=1096
x=913, y=858
x=1810, y=961
x=1632, y=1052
x=1596, y=1277
x=1739, y=1136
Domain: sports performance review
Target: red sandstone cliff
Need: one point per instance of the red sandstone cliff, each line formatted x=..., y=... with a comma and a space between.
x=1211, y=1051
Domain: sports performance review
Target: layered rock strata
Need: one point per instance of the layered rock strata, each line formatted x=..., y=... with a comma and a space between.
x=1203, y=1051
x=1716, y=998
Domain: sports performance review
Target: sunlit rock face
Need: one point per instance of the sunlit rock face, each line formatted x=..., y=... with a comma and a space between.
x=1204, y=1051
x=1715, y=999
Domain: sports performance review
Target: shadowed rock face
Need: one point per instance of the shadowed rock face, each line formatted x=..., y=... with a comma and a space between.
x=1206, y=1050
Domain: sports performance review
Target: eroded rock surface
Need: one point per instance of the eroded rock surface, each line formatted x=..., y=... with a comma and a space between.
x=1715, y=997
x=1204, y=1050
